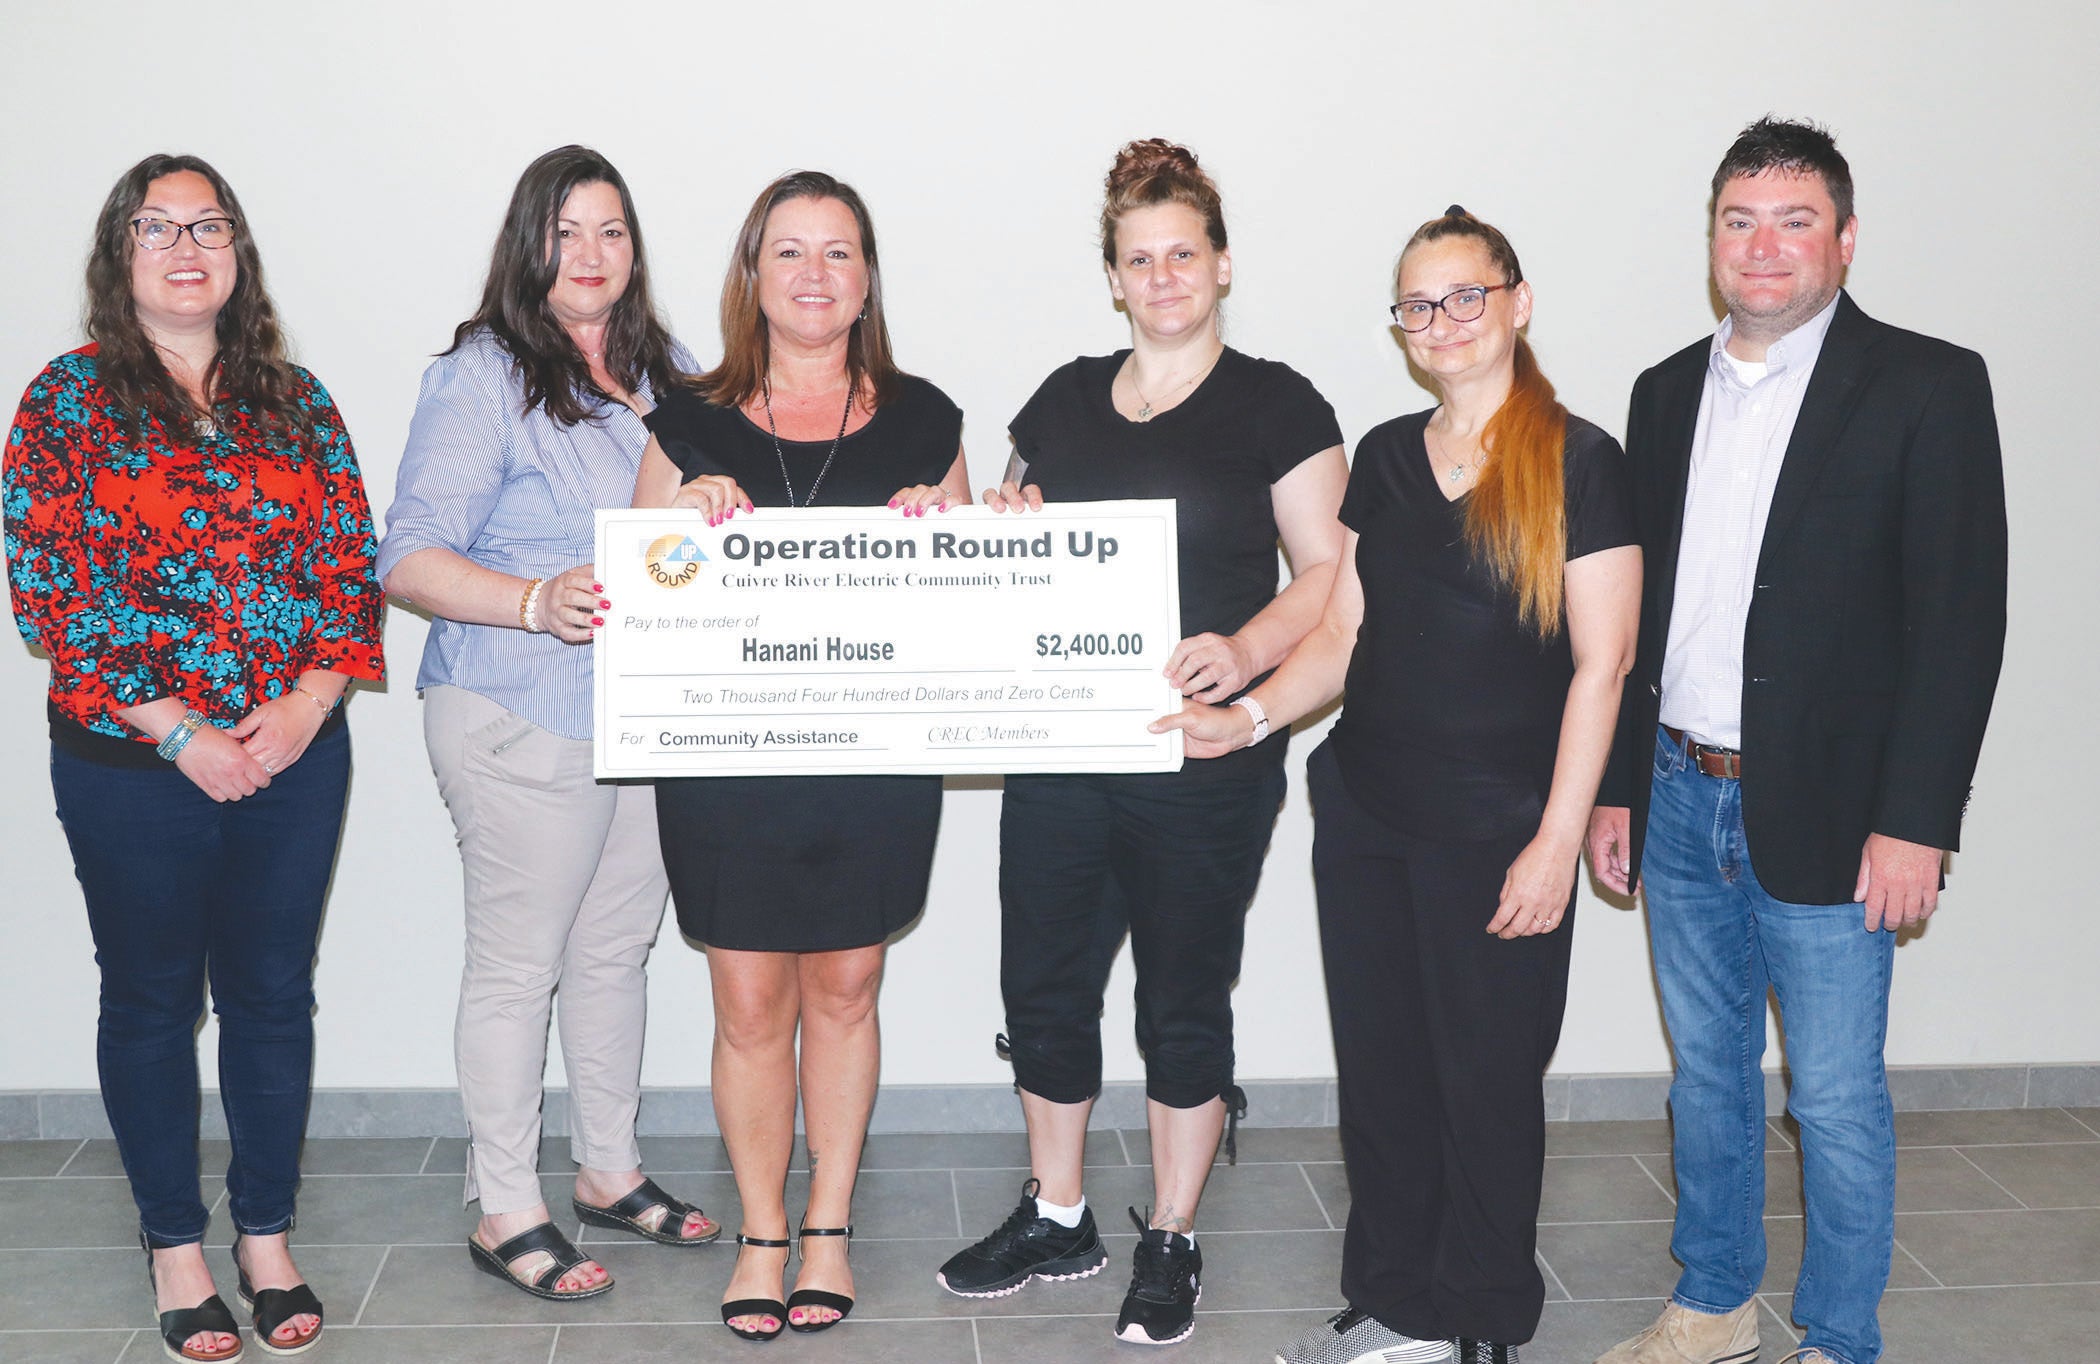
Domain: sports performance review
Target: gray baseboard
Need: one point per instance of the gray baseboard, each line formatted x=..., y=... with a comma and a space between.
x=74, y=1114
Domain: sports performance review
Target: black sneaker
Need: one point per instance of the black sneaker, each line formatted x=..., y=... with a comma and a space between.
x=1027, y=1246
x=1165, y=1286
x=1482, y=1352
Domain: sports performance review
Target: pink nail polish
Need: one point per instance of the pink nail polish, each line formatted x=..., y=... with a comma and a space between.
x=597, y=620
x=893, y=503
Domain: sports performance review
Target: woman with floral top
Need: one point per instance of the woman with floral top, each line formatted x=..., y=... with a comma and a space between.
x=188, y=540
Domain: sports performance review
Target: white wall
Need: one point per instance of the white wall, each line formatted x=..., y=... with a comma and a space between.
x=374, y=146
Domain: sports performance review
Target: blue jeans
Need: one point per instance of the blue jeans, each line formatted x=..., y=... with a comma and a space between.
x=179, y=886
x=1720, y=941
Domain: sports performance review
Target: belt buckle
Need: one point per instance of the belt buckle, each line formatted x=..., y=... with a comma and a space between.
x=1731, y=762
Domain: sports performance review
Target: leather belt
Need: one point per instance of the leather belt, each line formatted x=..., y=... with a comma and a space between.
x=1714, y=762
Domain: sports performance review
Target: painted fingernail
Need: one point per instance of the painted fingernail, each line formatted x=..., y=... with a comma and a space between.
x=604, y=605
x=597, y=620
x=597, y=587
x=893, y=502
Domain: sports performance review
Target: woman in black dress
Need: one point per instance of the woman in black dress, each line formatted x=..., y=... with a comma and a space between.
x=1483, y=620
x=1251, y=454
x=795, y=883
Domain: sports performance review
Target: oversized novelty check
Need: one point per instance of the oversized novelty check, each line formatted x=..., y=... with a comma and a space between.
x=859, y=640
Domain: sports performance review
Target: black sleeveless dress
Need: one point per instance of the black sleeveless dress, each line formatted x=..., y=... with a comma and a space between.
x=803, y=864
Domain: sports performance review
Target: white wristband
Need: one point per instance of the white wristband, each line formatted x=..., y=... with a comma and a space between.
x=1261, y=718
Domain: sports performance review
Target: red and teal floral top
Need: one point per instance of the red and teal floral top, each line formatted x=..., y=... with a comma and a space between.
x=215, y=569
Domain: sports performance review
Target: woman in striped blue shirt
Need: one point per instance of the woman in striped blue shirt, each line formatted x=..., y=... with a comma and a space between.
x=528, y=424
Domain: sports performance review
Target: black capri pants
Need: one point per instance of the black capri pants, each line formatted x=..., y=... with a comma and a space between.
x=1441, y=1034
x=1172, y=862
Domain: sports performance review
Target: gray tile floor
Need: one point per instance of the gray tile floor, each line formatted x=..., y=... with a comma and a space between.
x=1998, y=1253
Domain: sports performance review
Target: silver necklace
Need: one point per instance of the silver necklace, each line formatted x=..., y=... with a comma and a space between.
x=765, y=389
x=1145, y=412
x=1460, y=468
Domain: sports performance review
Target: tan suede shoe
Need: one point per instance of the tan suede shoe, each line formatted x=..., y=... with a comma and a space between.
x=1682, y=1336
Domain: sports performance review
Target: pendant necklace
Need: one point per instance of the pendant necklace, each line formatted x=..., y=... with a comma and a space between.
x=1459, y=468
x=1145, y=412
x=765, y=389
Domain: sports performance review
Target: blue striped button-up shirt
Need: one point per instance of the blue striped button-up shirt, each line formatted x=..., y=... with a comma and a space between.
x=514, y=491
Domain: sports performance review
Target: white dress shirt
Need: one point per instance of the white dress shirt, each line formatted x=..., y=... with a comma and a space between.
x=1746, y=417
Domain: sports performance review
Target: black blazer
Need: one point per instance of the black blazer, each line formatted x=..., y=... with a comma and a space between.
x=1877, y=622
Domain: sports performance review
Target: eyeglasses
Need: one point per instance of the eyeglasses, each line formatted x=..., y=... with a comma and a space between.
x=158, y=234
x=1460, y=305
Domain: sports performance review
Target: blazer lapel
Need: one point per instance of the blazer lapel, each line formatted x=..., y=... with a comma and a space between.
x=1832, y=390
x=1677, y=396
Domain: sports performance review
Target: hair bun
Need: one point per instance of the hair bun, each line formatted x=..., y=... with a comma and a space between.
x=1151, y=156
x=1457, y=211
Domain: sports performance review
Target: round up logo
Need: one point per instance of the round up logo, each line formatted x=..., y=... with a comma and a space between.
x=673, y=560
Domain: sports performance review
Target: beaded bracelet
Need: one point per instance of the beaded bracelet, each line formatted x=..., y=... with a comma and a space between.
x=180, y=736
x=529, y=608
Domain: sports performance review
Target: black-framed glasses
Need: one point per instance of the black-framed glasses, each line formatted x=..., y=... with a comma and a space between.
x=1460, y=305
x=158, y=234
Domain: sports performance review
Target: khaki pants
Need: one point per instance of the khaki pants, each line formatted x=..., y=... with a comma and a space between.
x=564, y=890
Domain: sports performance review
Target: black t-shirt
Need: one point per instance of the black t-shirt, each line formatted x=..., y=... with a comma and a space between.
x=1216, y=454
x=1454, y=705
x=911, y=439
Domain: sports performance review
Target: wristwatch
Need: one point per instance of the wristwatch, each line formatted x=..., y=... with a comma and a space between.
x=1261, y=718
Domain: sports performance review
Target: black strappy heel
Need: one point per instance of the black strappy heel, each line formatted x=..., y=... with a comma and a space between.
x=757, y=1307
x=817, y=1297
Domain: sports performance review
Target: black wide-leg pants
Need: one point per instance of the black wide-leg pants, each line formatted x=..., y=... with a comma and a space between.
x=1441, y=1035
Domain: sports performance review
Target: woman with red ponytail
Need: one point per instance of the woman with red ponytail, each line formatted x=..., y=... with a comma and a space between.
x=1483, y=620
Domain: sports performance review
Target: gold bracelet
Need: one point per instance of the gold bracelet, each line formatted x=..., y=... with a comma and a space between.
x=327, y=706
x=527, y=604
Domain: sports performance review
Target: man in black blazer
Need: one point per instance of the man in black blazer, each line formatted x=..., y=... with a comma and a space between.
x=1822, y=510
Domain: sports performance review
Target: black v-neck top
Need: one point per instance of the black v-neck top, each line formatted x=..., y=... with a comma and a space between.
x=1454, y=705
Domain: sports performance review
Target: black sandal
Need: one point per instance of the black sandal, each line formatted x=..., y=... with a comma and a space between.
x=626, y=1215
x=271, y=1308
x=817, y=1297
x=544, y=1237
x=179, y=1324
x=757, y=1307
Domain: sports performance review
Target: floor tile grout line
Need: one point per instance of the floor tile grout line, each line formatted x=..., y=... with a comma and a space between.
x=71, y=1156
x=1558, y=1282
x=2080, y=1121
x=428, y=1152
x=1656, y=1180
x=125, y=1348
x=955, y=1192
x=1993, y=1179
x=1923, y=1268
x=1784, y=1325
x=554, y=1345
x=372, y=1287
x=1318, y=1201
x=976, y=1342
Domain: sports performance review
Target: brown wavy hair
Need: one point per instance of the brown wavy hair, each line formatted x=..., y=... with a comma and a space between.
x=747, y=350
x=522, y=270
x=1156, y=171
x=250, y=366
x=1516, y=518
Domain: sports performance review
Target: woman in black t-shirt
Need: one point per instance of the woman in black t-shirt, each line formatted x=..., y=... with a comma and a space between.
x=1250, y=453
x=1483, y=618
x=794, y=883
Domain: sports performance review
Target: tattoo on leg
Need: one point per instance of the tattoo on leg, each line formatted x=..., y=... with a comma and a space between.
x=1165, y=1218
